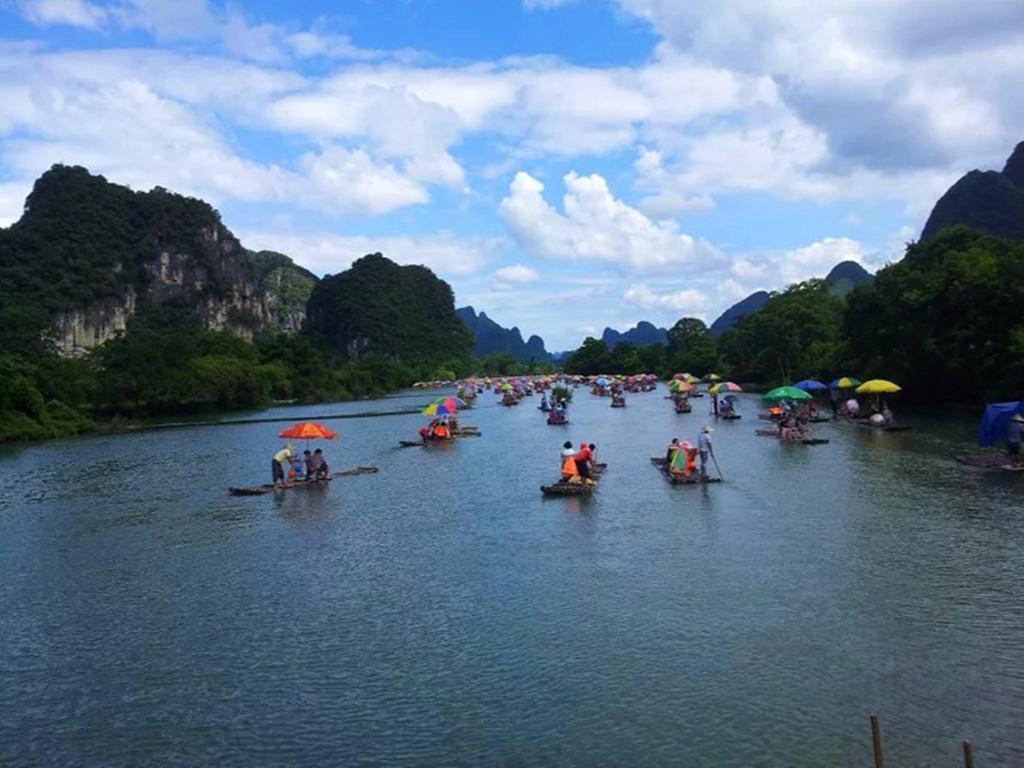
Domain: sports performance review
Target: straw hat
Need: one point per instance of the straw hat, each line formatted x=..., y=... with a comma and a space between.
x=707, y=428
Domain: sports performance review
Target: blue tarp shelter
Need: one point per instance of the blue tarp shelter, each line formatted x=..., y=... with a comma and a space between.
x=992, y=427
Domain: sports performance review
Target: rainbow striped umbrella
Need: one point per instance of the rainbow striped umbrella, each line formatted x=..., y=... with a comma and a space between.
x=444, y=406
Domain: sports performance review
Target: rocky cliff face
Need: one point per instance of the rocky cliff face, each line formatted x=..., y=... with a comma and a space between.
x=91, y=253
x=989, y=201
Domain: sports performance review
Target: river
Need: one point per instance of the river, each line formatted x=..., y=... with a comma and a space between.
x=442, y=612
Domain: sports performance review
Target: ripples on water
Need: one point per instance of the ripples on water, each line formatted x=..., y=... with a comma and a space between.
x=443, y=613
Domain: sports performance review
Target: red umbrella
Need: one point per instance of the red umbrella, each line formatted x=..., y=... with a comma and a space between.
x=308, y=430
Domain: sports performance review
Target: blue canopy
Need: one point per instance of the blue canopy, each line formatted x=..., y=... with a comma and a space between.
x=992, y=427
x=810, y=385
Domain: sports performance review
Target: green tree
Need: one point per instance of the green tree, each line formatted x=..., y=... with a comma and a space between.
x=796, y=334
x=945, y=322
x=691, y=348
x=592, y=357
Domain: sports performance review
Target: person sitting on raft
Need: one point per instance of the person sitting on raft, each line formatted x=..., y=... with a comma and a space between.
x=583, y=457
x=684, y=460
x=317, y=468
x=282, y=457
x=569, y=472
x=671, y=451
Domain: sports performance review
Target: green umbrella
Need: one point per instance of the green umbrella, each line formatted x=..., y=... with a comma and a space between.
x=786, y=393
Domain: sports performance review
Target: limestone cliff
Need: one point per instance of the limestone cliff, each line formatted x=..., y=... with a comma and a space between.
x=91, y=253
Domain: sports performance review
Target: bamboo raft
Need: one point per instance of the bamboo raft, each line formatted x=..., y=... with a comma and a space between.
x=732, y=417
x=883, y=427
x=695, y=479
x=565, y=488
x=995, y=462
x=259, y=490
x=803, y=441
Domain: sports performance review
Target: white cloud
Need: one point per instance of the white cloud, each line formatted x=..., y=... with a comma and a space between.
x=891, y=85
x=595, y=226
x=816, y=259
x=517, y=273
x=326, y=252
x=169, y=19
x=351, y=182
x=75, y=13
x=688, y=301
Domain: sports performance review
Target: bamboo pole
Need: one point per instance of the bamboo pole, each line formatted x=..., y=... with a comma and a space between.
x=876, y=741
x=968, y=754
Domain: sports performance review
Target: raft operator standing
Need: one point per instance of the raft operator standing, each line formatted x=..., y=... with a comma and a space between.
x=706, y=449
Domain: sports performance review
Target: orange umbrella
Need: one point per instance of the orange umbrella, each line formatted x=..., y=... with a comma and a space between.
x=308, y=430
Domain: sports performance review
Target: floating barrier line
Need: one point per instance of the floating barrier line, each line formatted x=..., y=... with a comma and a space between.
x=275, y=419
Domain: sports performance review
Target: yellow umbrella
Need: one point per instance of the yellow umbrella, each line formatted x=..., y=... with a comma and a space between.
x=878, y=387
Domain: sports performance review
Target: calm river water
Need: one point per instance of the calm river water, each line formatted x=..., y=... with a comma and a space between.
x=443, y=613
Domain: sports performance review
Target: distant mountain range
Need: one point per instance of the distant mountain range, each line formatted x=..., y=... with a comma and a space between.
x=843, y=278
x=490, y=338
x=989, y=201
x=640, y=334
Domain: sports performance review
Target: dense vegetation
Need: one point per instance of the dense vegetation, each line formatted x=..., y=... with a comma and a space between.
x=945, y=321
x=82, y=239
x=401, y=312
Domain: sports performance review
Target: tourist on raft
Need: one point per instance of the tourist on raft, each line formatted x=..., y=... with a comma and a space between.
x=725, y=408
x=706, y=449
x=316, y=466
x=1014, y=432
x=282, y=457
x=671, y=451
x=583, y=457
x=569, y=471
x=684, y=459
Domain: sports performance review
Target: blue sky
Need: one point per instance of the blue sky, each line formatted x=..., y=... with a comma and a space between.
x=564, y=164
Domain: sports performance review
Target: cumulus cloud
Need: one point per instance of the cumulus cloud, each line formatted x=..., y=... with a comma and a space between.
x=517, y=273
x=327, y=252
x=595, y=226
x=774, y=270
x=123, y=116
x=687, y=301
x=891, y=85
x=75, y=13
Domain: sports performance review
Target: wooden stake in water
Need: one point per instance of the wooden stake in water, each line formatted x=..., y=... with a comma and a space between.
x=876, y=741
x=968, y=754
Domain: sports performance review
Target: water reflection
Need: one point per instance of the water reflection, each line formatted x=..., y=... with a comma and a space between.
x=442, y=612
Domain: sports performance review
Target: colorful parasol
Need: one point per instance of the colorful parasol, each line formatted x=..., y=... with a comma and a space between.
x=845, y=382
x=786, y=393
x=725, y=386
x=811, y=385
x=444, y=406
x=308, y=430
x=878, y=387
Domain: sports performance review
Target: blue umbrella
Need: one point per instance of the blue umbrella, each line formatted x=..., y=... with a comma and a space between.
x=995, y=420
x=810, y=385
x=602, y=382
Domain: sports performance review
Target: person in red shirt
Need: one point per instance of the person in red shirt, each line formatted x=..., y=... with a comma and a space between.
x=583, y=456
